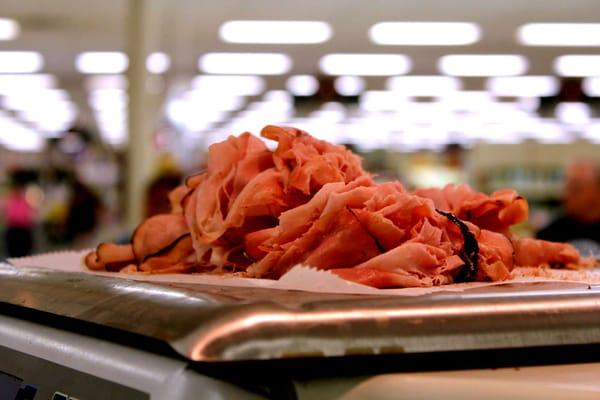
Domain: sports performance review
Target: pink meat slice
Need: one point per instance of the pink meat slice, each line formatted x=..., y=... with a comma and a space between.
x=533, y=252
x=157, y=233
x=232, y=164
x=496, y=212
x=307, y=163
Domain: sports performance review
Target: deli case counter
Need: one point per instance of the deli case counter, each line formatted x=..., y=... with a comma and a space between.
x=78, y=336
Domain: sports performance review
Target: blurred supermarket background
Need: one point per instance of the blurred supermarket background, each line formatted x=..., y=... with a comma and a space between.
x=104, y=104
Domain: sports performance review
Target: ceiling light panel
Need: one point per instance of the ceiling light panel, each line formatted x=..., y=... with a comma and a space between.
x=425, y=33
x=241, y=85
x=245, y=63
x=158, y=63
x=9, y=29
x=523, y=86
x=277, y=32
x=20, y=62
x=349, y=85
x=21, y=83
x=423, y=85
x=577, y=65
x=101, y=62
x=302, y=85
x=591, y=86
x=365, y=64
x=483, y=64
x=559, y=34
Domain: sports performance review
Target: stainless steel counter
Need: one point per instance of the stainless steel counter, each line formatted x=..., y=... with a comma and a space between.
x=210, y=323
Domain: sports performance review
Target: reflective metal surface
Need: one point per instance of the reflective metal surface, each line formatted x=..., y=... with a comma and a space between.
x=210, y=323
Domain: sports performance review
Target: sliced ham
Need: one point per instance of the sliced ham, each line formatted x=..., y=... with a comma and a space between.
x=157, y=233
x=307, y=163
x=175, y=256
x=496, y=212
x=257, y=213
x=533, y=252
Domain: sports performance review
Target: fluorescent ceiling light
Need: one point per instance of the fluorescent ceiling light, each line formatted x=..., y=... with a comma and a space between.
x=45, y=98
x=365, y=64
x=592, y=132
x=241, y=85
x=22, y=83
x=270, y=107
x=468, y=100
x=245, y=63
x=573, y=113
x=210, y=101
x=108, y=99
x=278, y=96
x=178, y=110
x=9, y=29
x=158, y=63
x=523, y=86
x=528, y=104
x=381, y=100
x=52, y=118
x=16, y=137
x=101, y=62
x=423, y=85
x=302, y=85
x=577, y=65
x=591, y=86
x=204, y=120
x=559, y=34
x=100, y=82
x=20, y=62
x=349, y=85
x=280, y=32
x=483, y=65
x=65, y=111
x=425, y=33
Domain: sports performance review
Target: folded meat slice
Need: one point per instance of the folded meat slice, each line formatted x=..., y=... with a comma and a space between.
x=428, y=259
x=496, y=252
x=110, y=257
x=373, y=227
x=496, y=212
x=246, y=187
x=307, y=163
x=174, y=258
x=157, y=233
x=533, y=252
x=232, y=164
x=382, y=236
x=324, y=226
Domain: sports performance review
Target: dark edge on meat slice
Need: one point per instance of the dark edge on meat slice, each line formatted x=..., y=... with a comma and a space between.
x=470, y=251
x=167, y=248
x=186, y=180
x=132, y=240
x=185, y=198
x=377, y=243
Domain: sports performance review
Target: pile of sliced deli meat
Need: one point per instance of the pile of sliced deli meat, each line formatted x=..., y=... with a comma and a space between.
x=257, y=213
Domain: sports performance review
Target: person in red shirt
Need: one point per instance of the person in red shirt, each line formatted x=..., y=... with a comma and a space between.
x=19, y=215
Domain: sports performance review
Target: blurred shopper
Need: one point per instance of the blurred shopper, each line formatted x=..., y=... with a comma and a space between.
x=83, y=214
x=19, y=215
x=580, y=222
x=167, y=178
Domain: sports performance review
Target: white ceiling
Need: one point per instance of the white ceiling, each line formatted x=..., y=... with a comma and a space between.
x=60, y=29
x=187, y=28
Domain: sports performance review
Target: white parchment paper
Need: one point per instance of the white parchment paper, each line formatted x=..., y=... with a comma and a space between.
x=298, y=278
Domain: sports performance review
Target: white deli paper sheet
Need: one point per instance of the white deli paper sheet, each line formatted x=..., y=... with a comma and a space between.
x=298, y=278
